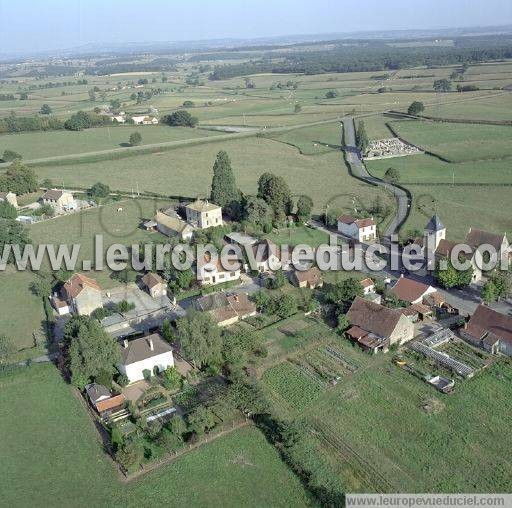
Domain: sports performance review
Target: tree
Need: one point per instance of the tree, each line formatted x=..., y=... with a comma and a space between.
x=91, y=350
x=502, y=281
x=343, y=293
x=452, y=278
x=23, y=96
x=275, y=191
x=200, y=338
x=7, y=211
x=257, y=211
x=297, y=108
x=224, y=191
x=19, y=179
x=172, y=378
x=331, y=94
x=416, y=108
x=10, y=155
x=99, y=190
x=285, y=305
x=392, y=175
x=178, y=426
x=130, y=454
x=12, y=233
x=489, y=292
x=42, y=287
x=201, y=419
x=362, y=141
x=180, y=118
x=442, y=85
x=304, y=208
x=45, y=110
x=7, y=348
x=115, y=104
x=135, y=138
x=188, y=104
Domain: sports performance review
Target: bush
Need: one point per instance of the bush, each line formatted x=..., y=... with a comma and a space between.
x=10, y=155
x=180, y=119
x=99, y=190
x=147, y=374
x=7, y=211
x=124, y=306
x=135, y=138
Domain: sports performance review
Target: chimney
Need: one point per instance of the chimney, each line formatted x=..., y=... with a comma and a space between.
x=125, y=343
x=150, y=342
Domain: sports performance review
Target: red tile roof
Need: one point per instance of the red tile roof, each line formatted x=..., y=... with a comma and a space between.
x=487, y=320
x=77, y=283
x=366, y=283
x=372, y=317
x=409, y=290
x=111, y=403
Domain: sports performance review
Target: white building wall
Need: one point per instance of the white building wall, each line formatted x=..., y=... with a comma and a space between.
x=134, y=371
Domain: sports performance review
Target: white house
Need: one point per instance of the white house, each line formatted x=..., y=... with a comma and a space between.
x=203, y=214
x=144, y=120
x=210, y=273
x=362, y=230
x=144, y=354
x=9, y=197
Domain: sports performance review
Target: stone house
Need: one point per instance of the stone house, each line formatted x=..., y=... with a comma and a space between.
x=203, y=214
x=144, y=120
x=375, y=327
x=225, y=309
x=82, y=294
x=169, y=223
x=212, y=273
x=155, y=285
x=60, y=200
x=9, y=197
x=411, y=291
x=311, y=278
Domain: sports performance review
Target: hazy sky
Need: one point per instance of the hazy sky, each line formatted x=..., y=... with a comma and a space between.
x=28, y=25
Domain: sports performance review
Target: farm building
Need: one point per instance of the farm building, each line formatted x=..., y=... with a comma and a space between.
x=476, y=238
x=145, y=354
x=169, y=223
x=489, y=330
x=144, y=120
x=411, y=291
x=362, y=230
x=376, y=327
x=268, y=257
x=102, y=400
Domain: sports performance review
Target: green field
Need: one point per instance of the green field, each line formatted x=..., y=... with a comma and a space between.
x=301, y=234
x=187, y=171
x=458, y=142
x=34, y=145
x=50, y=444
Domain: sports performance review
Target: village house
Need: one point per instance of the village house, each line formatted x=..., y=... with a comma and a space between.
x=489, y=330
x=362, y=230
x=411, y=291
x=103, y=401
x=80, y=294
x=476, y=238
x=155, y=285
x=60, y=200
x=144, y=120
x=225, y=309
x=241, y=239
x=9, y=197
x=269, y=257
x=368, y=286
x=150, y=354
x=311, y=278
x=169, y=223
x=375, y=327
x=211, y=273
x=203, y=214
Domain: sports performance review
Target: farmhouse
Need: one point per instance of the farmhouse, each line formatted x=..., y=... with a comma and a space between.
x=226, y=309
x=476, y=238
x=203, y=214
x=145, y=354
x=445, y=248
x=155, y=285
x=311, y=278
x=9, y=197
x=411, y=291
x=375, y=327
x=211, y=273
x=362, y=230
x=489, y=330
x=60, y=200
x=241, y=239
x=144, y=120
x=81, y=294
x=169, y=223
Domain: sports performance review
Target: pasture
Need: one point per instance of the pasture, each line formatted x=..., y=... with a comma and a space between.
x=41, y=418
x=187, y=171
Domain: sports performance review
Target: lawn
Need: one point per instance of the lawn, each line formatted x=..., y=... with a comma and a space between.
x=299, y=235
x=22, y=312
x=313, y=140
x=378, y=419
x=458, y=142
x=49, y=443
x=34, y=145
x=188, y=171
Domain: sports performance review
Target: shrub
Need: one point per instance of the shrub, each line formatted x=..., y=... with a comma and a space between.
x=147, y=374
x=10, y=155
x=180, y=118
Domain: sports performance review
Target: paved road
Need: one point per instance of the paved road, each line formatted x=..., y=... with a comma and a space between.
x=359, y=169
